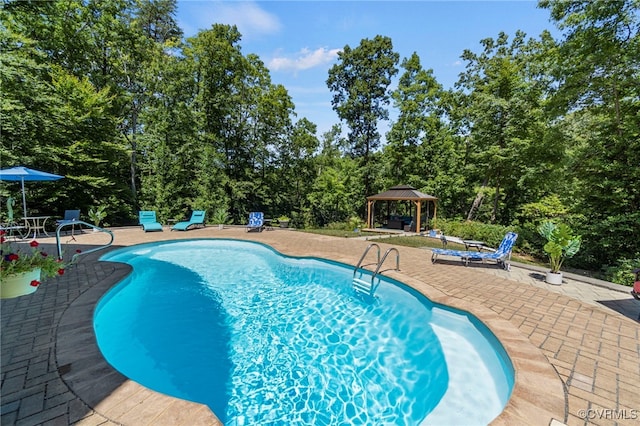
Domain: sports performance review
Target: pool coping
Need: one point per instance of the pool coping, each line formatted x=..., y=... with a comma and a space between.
x=110, y=394
x=123, y=401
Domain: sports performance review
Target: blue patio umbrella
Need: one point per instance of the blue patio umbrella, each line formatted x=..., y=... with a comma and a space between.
x=22, y=174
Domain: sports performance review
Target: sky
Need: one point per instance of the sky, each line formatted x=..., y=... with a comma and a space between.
x=299, y=41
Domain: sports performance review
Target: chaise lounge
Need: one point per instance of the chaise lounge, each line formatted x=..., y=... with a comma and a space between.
x=502, y=255
x=196, y=221
x=256, y=222
x=147, y=219
x=70, y=217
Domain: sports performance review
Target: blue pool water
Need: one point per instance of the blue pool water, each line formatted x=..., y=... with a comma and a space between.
x=263, y=338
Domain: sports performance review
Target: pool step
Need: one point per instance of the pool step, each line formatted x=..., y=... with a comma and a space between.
x=362, y=286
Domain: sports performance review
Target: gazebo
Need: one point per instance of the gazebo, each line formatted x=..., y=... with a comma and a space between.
x=402, y=193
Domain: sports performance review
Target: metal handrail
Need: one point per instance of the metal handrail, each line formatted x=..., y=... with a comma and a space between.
x=382, y=261
x=79, y=222
x=363, y=256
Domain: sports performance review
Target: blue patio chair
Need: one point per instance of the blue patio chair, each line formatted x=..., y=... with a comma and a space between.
x=502, y=255
x=70, y=217
x=256, y=222
x=147, y=219
x=196, y=221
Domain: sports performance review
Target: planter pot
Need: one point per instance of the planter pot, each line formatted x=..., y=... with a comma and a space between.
x=221, y=226
x=554, y=278
x=284, y=224
x=19, y=284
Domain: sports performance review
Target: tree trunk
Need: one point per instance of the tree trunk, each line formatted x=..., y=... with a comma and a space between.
x=477, y=202
x=134, y=149
x=494, y=213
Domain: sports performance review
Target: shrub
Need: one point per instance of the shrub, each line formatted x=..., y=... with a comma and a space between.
x=491, y=234
x=622, y=272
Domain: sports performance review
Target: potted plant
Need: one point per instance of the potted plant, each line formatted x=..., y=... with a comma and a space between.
x=21, y=271
x=561, y=244
x=283, y=221
x=220, y=217
x=96, y=214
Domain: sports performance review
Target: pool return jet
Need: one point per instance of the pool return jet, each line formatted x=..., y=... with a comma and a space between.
x=368, y=287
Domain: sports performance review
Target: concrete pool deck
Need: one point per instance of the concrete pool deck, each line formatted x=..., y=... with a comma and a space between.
x=576, y=347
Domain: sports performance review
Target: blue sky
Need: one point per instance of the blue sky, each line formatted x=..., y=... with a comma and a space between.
x=299, y=40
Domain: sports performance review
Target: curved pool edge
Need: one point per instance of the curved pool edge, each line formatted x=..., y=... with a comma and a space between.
x=532, y=370
x=110, y=394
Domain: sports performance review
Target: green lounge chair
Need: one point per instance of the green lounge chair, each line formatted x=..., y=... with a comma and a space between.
x=197, y=221
x=147, y=219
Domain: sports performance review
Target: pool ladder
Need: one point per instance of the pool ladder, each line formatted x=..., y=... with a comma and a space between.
x=367, y=287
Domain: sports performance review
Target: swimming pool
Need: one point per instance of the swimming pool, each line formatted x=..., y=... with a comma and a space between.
x=264, y=338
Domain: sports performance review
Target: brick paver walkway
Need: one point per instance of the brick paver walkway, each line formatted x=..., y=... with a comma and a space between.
x=575, y=348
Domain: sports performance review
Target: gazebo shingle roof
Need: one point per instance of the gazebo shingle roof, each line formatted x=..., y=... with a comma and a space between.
x=402, y=192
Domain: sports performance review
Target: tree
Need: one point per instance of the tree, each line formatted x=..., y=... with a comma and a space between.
x=168, y=149
x=421, y=150
x=503, y=109
x=61, y=123
x=155, y=18
x=241, y=118
x=359, y=83
x=295, y=168
x=599, y=74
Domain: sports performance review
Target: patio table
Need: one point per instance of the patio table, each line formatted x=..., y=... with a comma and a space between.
x=478, y=245
x=36, y=224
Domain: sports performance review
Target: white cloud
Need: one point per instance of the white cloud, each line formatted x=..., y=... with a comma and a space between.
x=303, y=60
x=251, y=20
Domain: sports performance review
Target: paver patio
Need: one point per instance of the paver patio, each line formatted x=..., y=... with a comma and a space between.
x=577, y=360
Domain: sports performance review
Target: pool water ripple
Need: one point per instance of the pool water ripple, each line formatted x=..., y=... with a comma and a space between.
x=265, y=339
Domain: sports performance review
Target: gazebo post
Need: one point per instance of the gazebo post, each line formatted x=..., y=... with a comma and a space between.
x=435, y=210
x=418, y=215
x=425, y=227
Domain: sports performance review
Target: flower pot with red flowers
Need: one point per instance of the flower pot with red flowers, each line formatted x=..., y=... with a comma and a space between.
x=23, y=266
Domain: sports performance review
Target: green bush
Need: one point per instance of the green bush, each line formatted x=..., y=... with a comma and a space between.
x=622, y=273
x=355, y=223
x=219, y=216
x=492, y=235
